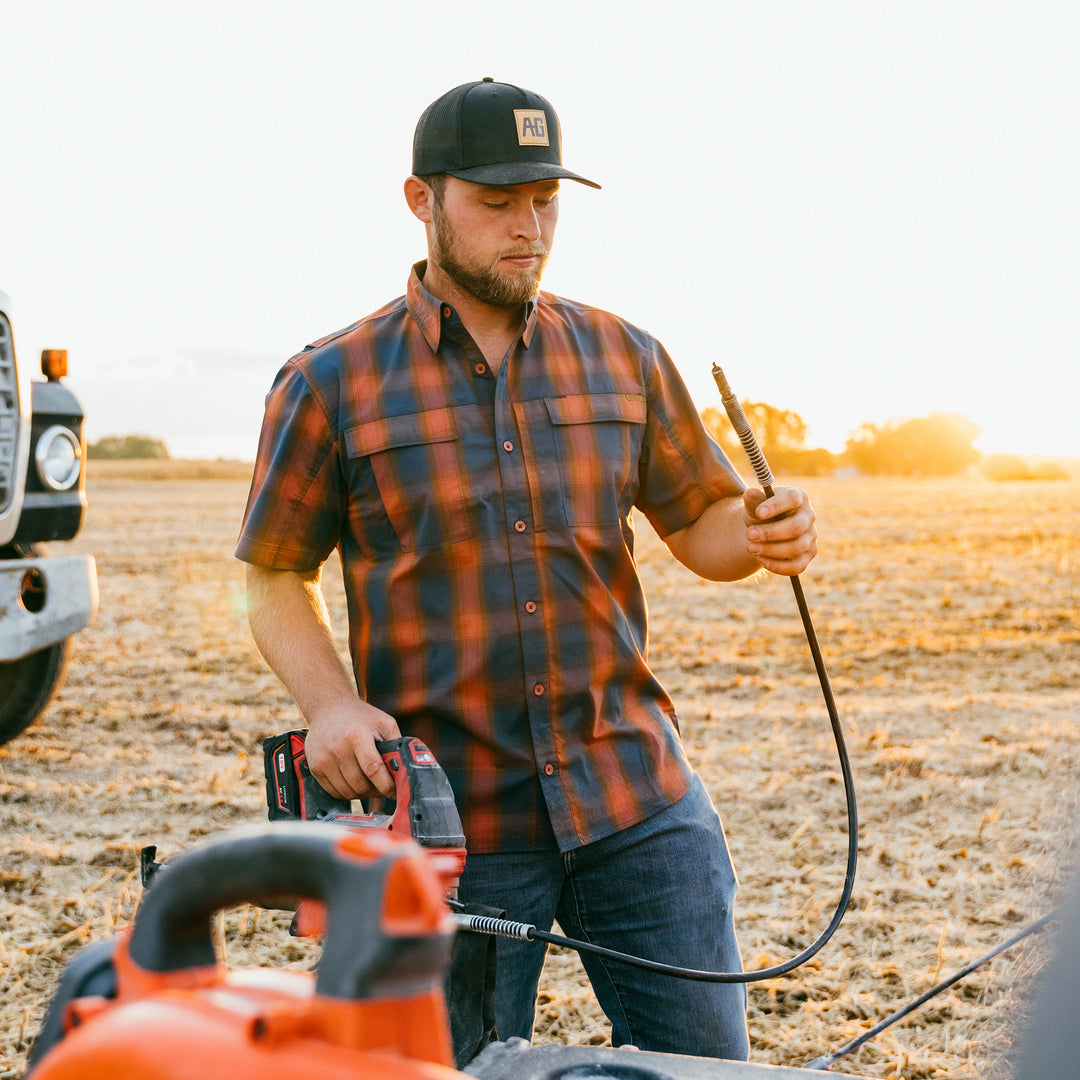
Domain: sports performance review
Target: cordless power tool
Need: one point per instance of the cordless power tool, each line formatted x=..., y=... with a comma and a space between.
x=423, y=806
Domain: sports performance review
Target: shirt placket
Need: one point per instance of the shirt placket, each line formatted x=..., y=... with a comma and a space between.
x=529, y=601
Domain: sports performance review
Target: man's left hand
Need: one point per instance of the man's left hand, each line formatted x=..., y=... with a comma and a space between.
x=780, y=531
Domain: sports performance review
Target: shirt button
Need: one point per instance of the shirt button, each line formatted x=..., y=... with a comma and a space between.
x=530, y=607
x=538, y=689
x=508, y=446
x=549, y=769
x=447, y=312
x=479, y=369
x=520, y=526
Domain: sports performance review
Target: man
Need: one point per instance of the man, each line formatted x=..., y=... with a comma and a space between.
x=475, y=449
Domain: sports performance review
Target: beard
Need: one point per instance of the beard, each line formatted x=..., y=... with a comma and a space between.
x=490, y=284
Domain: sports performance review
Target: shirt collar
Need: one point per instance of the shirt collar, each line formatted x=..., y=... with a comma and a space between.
x=423, y=307
x=426, y=309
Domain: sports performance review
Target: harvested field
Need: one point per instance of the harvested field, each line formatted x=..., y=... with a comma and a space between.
x=949, y=616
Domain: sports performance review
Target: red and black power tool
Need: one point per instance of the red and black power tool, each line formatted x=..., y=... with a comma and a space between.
x=423, y=806
x=156, y=1003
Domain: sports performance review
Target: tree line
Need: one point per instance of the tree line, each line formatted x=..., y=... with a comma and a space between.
x=128, y=448
x=940, y=444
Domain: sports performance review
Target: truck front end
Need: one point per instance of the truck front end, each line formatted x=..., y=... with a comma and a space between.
x=44, y=599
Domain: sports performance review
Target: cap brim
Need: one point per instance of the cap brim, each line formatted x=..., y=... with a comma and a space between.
x=517, y=172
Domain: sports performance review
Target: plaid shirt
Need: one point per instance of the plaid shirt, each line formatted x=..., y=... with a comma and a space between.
x=484, y=525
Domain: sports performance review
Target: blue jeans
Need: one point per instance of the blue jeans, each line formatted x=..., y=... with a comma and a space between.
x=664, y=890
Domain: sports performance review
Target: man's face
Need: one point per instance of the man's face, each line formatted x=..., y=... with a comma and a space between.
x=493, y=242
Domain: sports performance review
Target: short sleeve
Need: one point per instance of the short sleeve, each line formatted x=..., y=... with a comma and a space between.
x=297, y=502
x=683, y=470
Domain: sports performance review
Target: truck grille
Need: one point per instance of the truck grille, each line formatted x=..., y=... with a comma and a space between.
x=9, y=415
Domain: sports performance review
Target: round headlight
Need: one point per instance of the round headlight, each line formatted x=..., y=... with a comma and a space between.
x=59, y=458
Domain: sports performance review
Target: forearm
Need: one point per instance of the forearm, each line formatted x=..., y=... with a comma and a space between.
x=291, y=627
x=715, y=545
x=290, y=624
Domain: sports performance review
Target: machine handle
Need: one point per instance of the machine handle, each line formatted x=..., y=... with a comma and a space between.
x=369, y=952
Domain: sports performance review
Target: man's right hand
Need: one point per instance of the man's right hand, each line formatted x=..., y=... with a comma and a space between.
x=341, y=750
x=291, y=626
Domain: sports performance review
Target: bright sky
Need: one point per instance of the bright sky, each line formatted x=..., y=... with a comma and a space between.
x=864, y=211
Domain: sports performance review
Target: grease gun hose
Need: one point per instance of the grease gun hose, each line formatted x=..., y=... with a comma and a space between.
x=826, y=1061
x=528, y=932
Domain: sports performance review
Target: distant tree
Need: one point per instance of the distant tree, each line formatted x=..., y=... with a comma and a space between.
x=816, y=462
x=719, y=427
x=935, y=445
x=1014, y=467
x=128, y=447
x=780, y=433
x=1006, y=467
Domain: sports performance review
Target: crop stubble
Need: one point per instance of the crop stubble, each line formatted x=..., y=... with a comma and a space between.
x=948, y=615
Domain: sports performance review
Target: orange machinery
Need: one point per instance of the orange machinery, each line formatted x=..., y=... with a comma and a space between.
x=156, y=1002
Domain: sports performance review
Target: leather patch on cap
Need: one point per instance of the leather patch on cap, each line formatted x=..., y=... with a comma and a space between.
x=531, y=127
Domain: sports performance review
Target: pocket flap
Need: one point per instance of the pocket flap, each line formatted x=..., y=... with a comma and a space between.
x=410, y=429
x=594, y=408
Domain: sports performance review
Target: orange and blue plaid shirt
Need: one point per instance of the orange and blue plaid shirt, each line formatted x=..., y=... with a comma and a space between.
x=484, y=527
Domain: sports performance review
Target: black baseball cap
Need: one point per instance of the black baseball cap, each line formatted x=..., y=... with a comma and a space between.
x=490, y=132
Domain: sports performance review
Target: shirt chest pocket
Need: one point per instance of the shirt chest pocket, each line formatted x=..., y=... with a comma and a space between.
x=416, y=460
x=598, y=440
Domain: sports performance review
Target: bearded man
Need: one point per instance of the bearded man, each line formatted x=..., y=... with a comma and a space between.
x=475, y=449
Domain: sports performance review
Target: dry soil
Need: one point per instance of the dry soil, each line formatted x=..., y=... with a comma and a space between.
x=949, y=616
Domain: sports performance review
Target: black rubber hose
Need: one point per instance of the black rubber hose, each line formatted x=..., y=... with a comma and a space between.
x=826, y=1061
